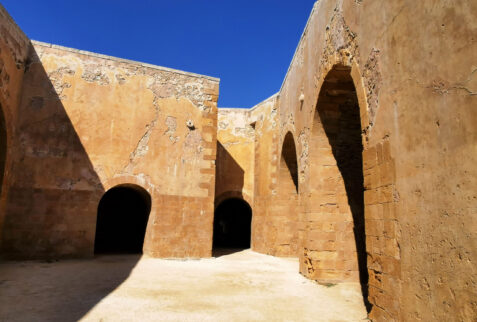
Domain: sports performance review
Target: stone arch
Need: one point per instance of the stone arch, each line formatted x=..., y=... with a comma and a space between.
x=346, y=59
x=232, y=194
x=127, y=179
x=288, y=167
x=335, y=209
x=232, y=224
x=122, y=218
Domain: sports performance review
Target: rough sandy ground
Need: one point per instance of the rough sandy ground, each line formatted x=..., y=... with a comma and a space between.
x=244, y=286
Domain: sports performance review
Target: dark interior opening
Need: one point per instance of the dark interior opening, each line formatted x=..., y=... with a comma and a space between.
x=232, y=224
x=289, y=165
x=339, y=113
x=3, y=147
x=123, y=213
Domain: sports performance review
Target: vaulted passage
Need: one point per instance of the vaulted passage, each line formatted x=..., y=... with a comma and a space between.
x=122, y=219
x=232, y=224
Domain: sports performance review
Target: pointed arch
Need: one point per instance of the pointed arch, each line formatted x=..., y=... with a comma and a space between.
x=336, y=186
x=288, y=173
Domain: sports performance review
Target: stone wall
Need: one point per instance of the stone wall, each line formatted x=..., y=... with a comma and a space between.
x=87, y=123
x=235, y=145
x=408, y=71
x=14, y=47
x=275, y=225
x=362, y=165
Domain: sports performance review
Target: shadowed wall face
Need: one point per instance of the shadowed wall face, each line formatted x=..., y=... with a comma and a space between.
x=283, y=209
x=3, y=147
x=123, y=214
x=415, y=147
x=288, y=180
x=229, y=174
x=232, y=224
x=80, y=129
x=335, y=248
x=14, y=46
x=234, y=162
x=339, y=113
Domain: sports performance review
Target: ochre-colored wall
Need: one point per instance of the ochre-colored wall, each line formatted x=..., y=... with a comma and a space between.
x=88, y=123
x=79, y=124
x=247, y=168
x=14, y=46
x=413, y=68
x=235, y=149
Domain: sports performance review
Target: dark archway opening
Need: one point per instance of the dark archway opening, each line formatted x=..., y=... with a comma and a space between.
x=232, y=225
x=123, y=213
x=339, y=112
x=3, y=147
x=289, y=165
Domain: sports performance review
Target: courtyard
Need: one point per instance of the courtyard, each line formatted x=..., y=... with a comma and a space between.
x=235, y=286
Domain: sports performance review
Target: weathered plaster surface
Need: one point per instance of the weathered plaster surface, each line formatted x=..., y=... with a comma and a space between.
x=90, y=122
x=80, y=123
x=236, y=143
x=413, y=67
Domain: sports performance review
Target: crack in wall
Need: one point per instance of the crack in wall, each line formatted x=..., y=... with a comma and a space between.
x=443, y=87
x=142, y=146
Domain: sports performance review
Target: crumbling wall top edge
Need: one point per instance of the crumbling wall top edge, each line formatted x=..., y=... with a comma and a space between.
x=122, y=60
x=274, y=96
x=302, y=37
x=232, y=109
x=247, y=109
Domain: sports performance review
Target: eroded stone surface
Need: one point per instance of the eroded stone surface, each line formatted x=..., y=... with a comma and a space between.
x=78, y=124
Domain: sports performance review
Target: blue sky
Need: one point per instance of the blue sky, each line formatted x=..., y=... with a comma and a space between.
x=248, y=44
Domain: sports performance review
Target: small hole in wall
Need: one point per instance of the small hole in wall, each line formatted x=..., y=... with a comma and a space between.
x=190, y=125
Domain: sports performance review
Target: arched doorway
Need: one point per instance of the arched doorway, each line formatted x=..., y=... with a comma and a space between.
x=232, y=224
x=3, y=147
x=288, y=176
x=123, y=213
x=336, y=180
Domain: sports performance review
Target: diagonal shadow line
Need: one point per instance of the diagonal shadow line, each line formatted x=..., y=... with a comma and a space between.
x=48, y=214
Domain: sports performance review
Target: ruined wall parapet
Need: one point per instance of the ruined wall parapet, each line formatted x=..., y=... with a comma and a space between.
x=88, y=121
x=200, y=89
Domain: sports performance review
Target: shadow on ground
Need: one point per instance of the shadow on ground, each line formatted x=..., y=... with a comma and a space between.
x=67, y=290
x=219, y=252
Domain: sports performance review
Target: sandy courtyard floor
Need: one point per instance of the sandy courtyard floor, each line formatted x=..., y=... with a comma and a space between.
x=244, y=286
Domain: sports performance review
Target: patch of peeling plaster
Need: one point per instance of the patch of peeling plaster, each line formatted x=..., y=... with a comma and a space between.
x=142, y=146
x=303, y=164
x=93, y=73
x=171, y=123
